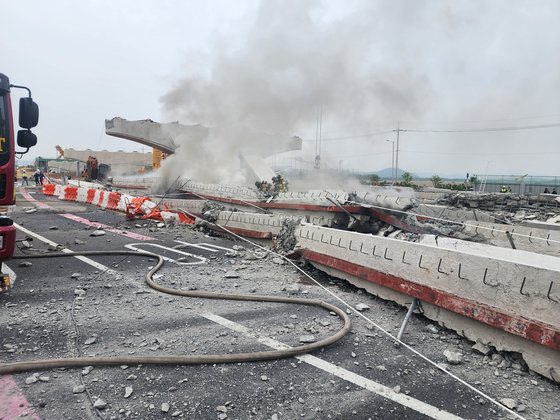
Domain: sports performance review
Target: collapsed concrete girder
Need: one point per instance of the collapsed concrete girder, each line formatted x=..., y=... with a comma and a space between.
x=153, y=134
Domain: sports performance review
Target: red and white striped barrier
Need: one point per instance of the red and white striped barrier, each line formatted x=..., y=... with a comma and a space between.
x=142, y=206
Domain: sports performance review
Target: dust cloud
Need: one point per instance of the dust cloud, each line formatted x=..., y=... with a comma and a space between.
x=268, y=85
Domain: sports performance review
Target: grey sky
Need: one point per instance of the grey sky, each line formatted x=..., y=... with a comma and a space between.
x=272, y=65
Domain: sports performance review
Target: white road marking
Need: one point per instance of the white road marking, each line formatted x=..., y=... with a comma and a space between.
x=206, y=246
x=365, y=383
x=66, y=250
x=138, y=247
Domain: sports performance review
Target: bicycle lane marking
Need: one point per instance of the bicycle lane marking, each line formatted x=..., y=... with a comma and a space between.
x=14, y=403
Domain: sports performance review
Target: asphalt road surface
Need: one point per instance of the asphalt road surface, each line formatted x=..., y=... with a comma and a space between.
x=100, y=306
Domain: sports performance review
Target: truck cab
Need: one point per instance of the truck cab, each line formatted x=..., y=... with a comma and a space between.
x=28, y=118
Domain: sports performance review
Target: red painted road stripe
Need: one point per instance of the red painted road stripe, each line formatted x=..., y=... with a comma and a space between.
x=28, y=197
x=13, y=404
x=539, y=332
x=108, y=228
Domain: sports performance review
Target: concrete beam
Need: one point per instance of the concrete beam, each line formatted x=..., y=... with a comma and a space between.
x=502, y=289
x=163, y=136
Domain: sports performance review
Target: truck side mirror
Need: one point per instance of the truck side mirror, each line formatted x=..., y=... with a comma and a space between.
x=28, y=114
x=26, y=138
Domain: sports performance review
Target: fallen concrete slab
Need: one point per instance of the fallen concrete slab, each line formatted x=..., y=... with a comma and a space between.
x=508, y=290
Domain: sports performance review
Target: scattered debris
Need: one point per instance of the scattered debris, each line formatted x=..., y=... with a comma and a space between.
x=482, y=348
x=100, y=404
x=78, y=389
x=453, y=357
x=509, y=403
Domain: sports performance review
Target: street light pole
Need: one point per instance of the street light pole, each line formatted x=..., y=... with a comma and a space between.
x=392, y=162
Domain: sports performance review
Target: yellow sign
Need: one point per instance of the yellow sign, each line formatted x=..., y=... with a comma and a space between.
x=2, y=141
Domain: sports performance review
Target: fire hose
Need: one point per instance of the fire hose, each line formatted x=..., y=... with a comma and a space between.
x=15, y=367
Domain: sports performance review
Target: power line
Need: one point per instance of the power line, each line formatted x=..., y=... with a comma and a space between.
x=378, y=133
x=481, y=154
x=460, y=130
x=479, y=130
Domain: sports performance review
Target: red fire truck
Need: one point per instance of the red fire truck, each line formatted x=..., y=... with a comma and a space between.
x=28, y=118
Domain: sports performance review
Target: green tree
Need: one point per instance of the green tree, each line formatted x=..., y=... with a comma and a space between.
x=407, y=178
x=374, y=179
x=436, y=180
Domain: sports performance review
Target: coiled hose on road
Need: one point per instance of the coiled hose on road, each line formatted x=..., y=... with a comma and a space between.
x=6, y=368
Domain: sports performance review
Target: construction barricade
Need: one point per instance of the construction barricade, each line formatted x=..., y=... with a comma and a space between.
x=82, y=195
x=90, y=196
x=48, y=189
x=134, y=207
x=113, y=200
x=69, y=193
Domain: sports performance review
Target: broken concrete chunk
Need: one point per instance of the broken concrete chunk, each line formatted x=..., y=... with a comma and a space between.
x=509, y=403
x=90, y=341
x=78, y=242
x=31, y=380
x=29, y=211
x=75, y=275
x=231, y=275
x=78, y=389
x=307, y=339
x=87, y=370
x=128, y=391
x=98, y=232
x=25, y=264
x=453, y=357
x=362, y=307
x=432, y=328
x=165, y=407
x=278, y=261
x=100, y=404
x=292, y=289
x=482, y=349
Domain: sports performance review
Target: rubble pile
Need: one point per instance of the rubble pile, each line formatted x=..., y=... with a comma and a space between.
x=511, y=207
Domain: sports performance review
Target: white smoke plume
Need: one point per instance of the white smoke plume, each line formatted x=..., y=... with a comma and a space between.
x=293, y=61
x=430, y=64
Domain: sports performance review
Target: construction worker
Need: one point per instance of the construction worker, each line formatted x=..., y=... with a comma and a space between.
x=503, y=189
x=24, y=177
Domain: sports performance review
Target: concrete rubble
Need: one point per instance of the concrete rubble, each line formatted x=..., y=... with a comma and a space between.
x=483, y=255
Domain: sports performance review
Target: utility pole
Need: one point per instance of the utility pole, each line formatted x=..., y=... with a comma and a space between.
x=398, y=130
